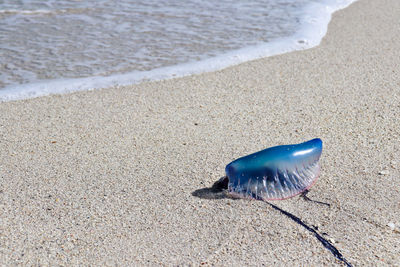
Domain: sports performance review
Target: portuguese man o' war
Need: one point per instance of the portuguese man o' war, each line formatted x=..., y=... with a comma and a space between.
x=275, y=173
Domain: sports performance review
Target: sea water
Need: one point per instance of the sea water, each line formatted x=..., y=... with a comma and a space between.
x=56, y=46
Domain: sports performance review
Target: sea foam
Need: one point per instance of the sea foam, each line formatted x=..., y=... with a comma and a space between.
x=313, y=22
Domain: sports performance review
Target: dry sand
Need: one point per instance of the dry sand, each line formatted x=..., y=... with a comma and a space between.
x=120, y=176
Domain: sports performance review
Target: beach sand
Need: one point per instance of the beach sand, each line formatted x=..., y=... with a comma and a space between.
x=121, y=176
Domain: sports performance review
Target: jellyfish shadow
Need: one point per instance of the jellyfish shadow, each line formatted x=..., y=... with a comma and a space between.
x=216, y=191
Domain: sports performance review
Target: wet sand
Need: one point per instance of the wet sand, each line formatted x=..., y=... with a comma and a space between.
x=122, y=176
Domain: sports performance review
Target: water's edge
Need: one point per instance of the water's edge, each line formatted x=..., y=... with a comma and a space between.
x=313, y=28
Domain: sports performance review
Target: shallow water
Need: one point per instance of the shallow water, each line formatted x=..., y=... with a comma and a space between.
x=45, y=40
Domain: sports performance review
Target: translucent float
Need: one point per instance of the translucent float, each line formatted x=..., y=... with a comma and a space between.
x=275, y=173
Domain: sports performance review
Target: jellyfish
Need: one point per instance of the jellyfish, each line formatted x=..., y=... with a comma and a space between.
x=274, y=173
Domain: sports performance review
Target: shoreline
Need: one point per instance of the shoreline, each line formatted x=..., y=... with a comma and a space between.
x=312, y=29
x=112, y=176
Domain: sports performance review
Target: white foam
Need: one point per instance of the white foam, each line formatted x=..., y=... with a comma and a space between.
x=314, y=23
x=25, y=12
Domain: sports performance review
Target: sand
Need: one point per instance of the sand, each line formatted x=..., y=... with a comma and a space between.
x=121, y=176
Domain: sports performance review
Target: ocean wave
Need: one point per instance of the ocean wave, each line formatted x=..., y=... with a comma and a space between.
x=43, y=11
x=312, y=27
